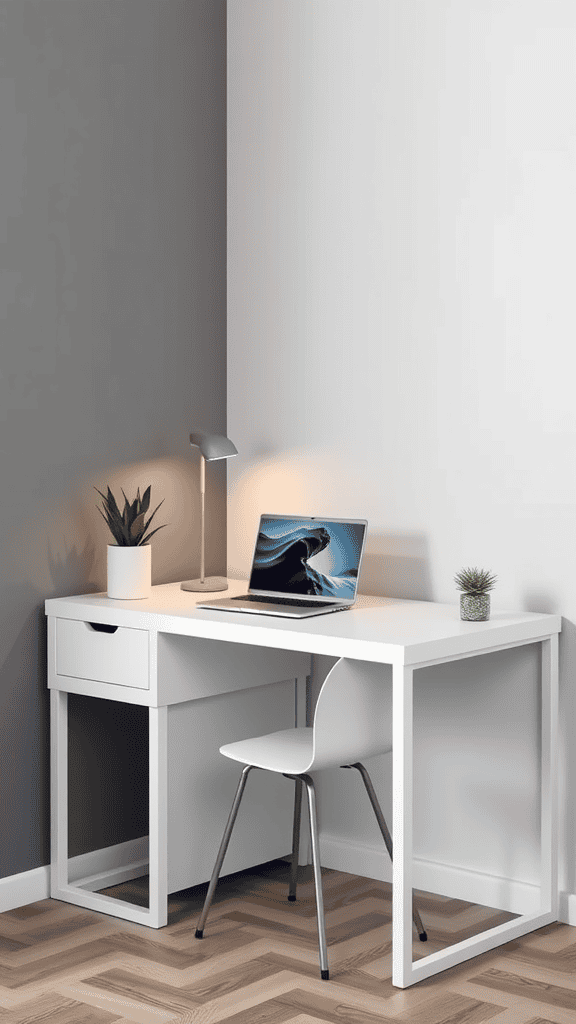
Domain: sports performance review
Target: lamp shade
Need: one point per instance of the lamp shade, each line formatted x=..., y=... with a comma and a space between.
x=213, y=446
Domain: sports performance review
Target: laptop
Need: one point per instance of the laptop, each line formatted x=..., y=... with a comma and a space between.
x=302, y=566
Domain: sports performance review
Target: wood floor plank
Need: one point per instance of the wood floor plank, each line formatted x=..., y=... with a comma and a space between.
x=279, y=915
x=306, y=1018
x=306, y=937
x=527, y=988
x=137, y=989
x=220, y=984
x=148, y=949
x=288, y=963
x=8, y=945
x=540, y=1020
x=44, y=931
x=551, y=937
x=357, y=955
x=130, y=1011
x=53, y=1009
x=451, y=1007
x=30, y=910
x=201, y=950
x=562, y=961
x=270, y=1011
x=335, y=1011
x=54, y=966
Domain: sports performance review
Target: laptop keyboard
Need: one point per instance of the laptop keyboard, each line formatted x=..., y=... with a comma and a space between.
x=291, y=602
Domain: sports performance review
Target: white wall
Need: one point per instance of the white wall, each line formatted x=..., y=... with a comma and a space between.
x=401, y=267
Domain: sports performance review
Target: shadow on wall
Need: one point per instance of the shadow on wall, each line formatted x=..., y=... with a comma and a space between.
x=540, y=601
x=397, y=565
x=70, y=572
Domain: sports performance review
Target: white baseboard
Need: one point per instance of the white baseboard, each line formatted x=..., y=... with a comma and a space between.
x=567, y=908
x=110, y=866
x=115, y=864
x=472, y=886
x=92, y=871
x=27, y=887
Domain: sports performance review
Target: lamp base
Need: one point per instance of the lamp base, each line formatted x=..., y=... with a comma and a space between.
x=208, y=586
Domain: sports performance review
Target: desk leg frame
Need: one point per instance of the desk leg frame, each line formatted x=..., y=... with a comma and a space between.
x=404, y=972
x=156, y=915
x=158, y=817
x=59, y=790
x=402, y=818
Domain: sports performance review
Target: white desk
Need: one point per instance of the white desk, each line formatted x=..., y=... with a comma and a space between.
x=209, y=676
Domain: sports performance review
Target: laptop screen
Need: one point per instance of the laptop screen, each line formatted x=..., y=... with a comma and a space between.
x=317, y=557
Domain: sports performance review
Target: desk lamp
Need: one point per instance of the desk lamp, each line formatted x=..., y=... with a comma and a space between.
x=212, y=447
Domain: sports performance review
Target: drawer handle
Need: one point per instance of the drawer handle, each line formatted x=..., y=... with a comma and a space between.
x=102, y=627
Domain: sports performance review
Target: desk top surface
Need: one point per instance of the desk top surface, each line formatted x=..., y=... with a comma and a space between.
x=379, y=629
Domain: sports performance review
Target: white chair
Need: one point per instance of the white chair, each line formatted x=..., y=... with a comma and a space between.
x=352, y=720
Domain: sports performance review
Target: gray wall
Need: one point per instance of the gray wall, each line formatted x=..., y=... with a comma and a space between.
x=112, y=342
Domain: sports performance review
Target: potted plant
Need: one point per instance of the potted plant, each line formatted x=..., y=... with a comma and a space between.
x=475, y=585
x=129, y=558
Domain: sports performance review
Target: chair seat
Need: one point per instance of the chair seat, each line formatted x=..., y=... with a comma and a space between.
x=290, y=750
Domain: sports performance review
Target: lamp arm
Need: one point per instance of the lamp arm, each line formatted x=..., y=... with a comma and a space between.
x=202, y=508
x=212, y=447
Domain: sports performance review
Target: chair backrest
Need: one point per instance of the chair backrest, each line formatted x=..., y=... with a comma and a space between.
x=353, y=717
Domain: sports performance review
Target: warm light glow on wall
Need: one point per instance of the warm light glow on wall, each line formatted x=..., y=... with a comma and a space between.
x=62, y=547
x=293, y=483
x=174, y=484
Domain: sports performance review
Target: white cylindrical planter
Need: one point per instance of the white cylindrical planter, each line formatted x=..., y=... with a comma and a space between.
x=129, y=572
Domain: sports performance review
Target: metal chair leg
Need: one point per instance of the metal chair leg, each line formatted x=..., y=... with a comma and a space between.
x=295, y=840
x=317, y=876
x=222, y=851
x=306, y=779
x=385, y=834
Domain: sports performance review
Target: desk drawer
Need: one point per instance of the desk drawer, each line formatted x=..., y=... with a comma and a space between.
x=86, y=651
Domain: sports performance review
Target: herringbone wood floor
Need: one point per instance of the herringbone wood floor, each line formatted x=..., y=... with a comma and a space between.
x=258, y=962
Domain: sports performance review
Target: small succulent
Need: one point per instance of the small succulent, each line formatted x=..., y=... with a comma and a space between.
x=129, y=527
x=475, y=581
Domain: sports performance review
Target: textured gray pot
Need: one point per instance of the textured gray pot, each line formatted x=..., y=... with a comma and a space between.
x=475, y=607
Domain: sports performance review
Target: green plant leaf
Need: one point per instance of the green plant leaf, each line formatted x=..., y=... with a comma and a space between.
x=106, y=517
x=111, y=500
x=105, y=501
x=148, y=536
x=145, y=503
x=112, y=526
x=137, y=528
x=153, y=514
x=475, y=581
x=128, y=528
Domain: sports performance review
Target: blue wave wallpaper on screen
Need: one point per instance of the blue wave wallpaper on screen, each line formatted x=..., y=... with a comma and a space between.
x=307, y=557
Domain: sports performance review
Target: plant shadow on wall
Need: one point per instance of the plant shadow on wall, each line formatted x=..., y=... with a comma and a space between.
x=397, y=565
x=70, y=572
